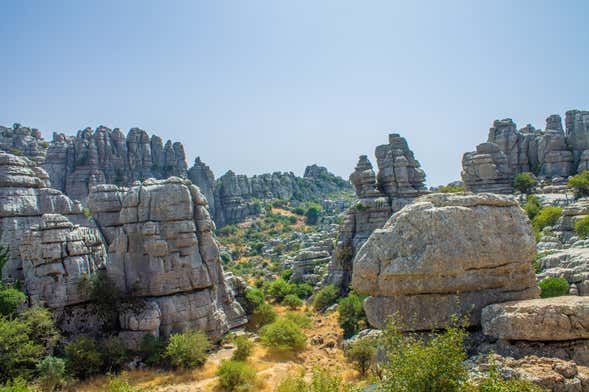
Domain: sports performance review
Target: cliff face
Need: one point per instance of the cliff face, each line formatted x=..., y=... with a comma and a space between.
x=20, y=140
x=398, y=182
x=554, y=152
x=235, y=195
x=75, y=164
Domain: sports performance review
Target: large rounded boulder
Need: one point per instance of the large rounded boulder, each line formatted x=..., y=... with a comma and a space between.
x=445, y=255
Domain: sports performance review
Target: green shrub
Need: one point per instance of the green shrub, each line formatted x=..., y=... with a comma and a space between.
x=299, y=211
x=494, y=382
x=553, y=287
x=19, y=354
x=283, y=335
x=312, y=215
x=236, y=376
x=299, y=319
x=532, y=206
x=152, y=349
x=450, y=189
x=351, y=314
x=244, y=348
x=325, y=297
x=524, y=182
x=114, y=354
x=10, y=300
x=255, y=296
x=262, y=315
x=43, y=329
x=286, y=274
x=303, y=290
x=362, y=354
x=83, y=357
x=580, y=184
x=16, y=385
x=292, y=301
x=188, y=349
x=582, y=227
x=415, y=364
x=117, y=384
x=547, y=216
x=279, y=289
x=51, y=373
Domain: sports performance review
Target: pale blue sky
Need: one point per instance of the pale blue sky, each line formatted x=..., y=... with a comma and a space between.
x=258, y=86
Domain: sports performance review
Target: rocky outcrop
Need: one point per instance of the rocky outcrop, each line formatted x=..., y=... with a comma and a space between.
x=163, y=250
x=20, y=140
x=100, y=156
x=236, y=195
x=446, y=254
x=571, y=264
x=549, y=154
x=551, y=319
x=25, y=196
x=309, y=263
x=398, y=182
x=57, y=256
x=202, y=176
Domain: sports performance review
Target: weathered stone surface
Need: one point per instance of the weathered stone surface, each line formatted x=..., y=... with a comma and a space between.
x=399, y=181
x=477, y=249
x=56, y=256
x=164, y=250
x=571, y=264
x=93, y=157
x=24, y=198
x=20, y=140
x=549, y=319
x=548, y=154
x=202, y=176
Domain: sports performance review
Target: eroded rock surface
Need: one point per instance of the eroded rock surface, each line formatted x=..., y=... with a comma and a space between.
x=446, y=254
x=398, y=182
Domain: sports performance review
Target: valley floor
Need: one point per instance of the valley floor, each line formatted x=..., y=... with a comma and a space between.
x=322, y=351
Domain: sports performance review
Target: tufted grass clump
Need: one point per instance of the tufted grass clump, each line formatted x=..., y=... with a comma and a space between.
x=292, y=301
x=553, y=287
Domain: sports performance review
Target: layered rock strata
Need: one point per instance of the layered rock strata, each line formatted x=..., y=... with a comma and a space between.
x=163, y=250
x=552, y=153
x=446, y=254
x=398, y=182
x=20, y=140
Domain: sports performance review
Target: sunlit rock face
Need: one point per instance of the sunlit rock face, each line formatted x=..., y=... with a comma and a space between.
x=554, y=152
x=446, y=254
x=162, y=249
x=398, y=182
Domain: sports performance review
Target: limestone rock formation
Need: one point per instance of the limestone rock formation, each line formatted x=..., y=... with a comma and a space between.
x=551, y=319
x=162, y=249
x=56, y=257
x=398, y=182
x=551, y=153
x=20, y=140
x=235, y=195
x=93, y=157
x=24, y=197
x=202, y=176
x=446, y=254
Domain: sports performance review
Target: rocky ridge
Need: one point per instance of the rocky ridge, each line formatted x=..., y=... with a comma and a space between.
x=552, y=153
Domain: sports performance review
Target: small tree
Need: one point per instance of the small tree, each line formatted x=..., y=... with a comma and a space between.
x=283, y=335
x=10, y=300
x=187, y=350
x=351, y=313
x=524, y=182
x=83, y=357
x=580, y=184
x=312, y=215
x=244, y=348
x=582, y=227
x=279, y=289
x=362, y=354
x=262, y=315
x=532, y=206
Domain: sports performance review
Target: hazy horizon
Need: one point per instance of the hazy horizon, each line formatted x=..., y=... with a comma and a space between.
x=259, y=87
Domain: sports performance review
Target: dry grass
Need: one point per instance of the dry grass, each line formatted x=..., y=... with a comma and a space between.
x=322, y=351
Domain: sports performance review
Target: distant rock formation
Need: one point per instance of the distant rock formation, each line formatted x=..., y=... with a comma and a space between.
x=443, y=255
x=236, y=196
x=554, y=152
x=398, y=182
x=20, y=140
